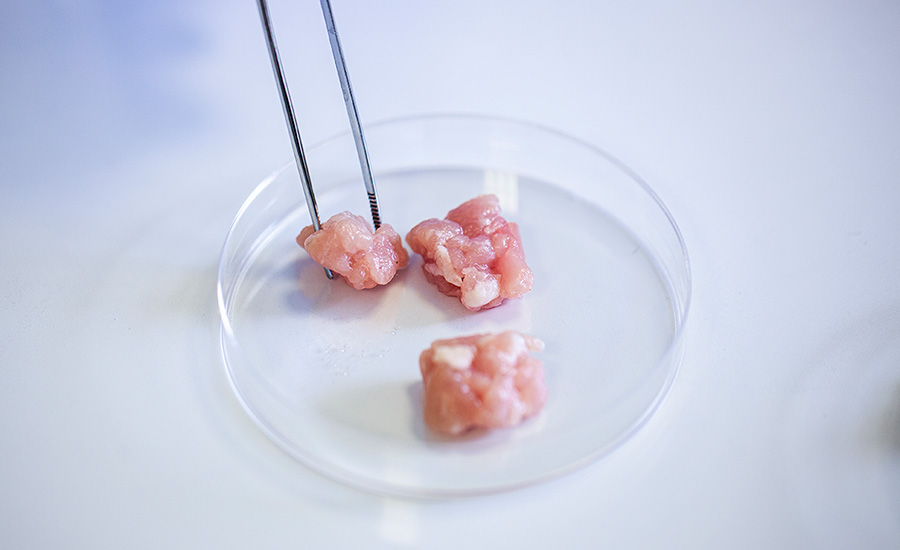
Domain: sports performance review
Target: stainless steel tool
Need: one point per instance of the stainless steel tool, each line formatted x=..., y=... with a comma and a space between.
x=352, y=113
x=291, y=120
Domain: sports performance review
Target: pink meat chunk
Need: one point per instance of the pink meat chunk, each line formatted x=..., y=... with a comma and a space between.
x=483, y=381
x=473, y=254
x=346, y=245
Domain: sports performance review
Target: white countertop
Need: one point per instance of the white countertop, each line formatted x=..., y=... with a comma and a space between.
x=130, y=135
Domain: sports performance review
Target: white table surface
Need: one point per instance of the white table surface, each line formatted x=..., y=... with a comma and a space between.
x=131, y=132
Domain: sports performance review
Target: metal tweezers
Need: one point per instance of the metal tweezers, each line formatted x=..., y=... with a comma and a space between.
x=291, y=120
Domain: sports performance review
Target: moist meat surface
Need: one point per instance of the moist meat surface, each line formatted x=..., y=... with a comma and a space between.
x=346, y=245
x=473, y=254
x=482, y=381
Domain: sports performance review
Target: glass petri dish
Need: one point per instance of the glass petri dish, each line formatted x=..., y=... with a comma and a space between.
x=331, y=374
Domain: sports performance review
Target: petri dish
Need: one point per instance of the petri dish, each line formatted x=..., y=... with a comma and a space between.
x=331, y=374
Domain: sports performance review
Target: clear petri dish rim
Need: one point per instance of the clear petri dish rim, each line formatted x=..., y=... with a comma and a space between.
x=675, y=272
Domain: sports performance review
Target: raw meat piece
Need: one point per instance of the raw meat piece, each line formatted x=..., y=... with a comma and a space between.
x=346, y=245
x=482, y=381
x=474, y=254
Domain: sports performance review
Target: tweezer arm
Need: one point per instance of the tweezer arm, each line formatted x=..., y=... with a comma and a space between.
x=352, y=113
x=291, y=120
